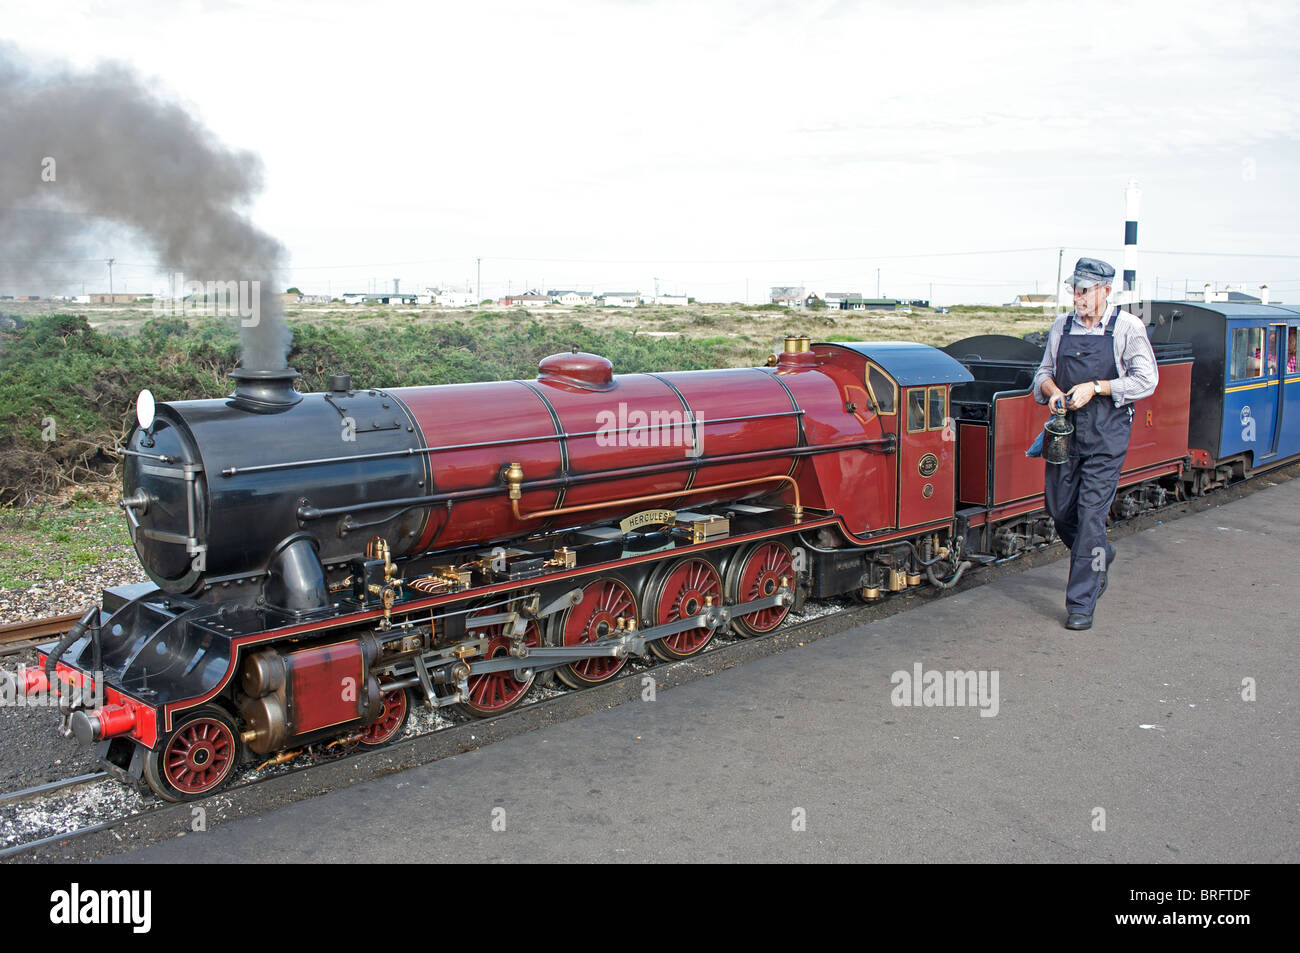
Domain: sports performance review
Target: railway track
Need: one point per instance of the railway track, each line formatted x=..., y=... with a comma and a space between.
x=20, y=636
x=51, y=787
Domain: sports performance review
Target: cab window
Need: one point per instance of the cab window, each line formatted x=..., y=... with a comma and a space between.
x=916, y=410
x=1290, y=351
x=882, y=390
x=938, y=404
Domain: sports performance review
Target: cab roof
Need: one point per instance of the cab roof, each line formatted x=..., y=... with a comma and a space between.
x=908, y=363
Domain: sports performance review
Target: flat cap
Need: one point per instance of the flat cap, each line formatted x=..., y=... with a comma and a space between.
x=1089, y=272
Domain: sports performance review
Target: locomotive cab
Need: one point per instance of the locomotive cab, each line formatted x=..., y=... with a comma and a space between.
x=907, y=386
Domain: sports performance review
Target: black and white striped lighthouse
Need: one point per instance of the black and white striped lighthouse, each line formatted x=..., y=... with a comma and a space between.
x=1132, y=195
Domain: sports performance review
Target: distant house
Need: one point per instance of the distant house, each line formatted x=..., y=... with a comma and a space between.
x=790, y=297
x=811, y=300
x=314, y=299
x=572, y=298
x=388, y=297
x=878, y=304
x=621, y=299
x=290, y=299
x=835, y=300
x=530, y=299
x=354, y=297
x=121, y=297
x=1230, y=296
x=1046, y=302
x=674, y=300
x=453, y=297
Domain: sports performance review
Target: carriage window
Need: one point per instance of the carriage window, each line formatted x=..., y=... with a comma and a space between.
x=916, y=410
x=1246, y=347
x=1290, y=351
x=882, y=389
x=1271, y=364
x=938, y=405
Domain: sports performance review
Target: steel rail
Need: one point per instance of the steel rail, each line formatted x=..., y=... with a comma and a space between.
x=37, y=628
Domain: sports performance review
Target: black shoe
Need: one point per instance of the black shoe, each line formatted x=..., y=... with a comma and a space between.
x=1078, y=620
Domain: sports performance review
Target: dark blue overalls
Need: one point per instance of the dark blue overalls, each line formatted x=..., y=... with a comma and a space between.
x=1080, y=491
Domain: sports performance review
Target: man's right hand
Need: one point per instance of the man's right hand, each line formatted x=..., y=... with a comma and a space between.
x=1057, y=399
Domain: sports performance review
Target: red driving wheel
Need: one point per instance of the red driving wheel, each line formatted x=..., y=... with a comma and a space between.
x=390, y=722
x=757, y=574
x=604, y=602
x=687, y=589
x=495, y=692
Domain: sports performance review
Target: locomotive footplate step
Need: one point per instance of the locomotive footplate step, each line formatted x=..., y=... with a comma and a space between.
x=1123, y=744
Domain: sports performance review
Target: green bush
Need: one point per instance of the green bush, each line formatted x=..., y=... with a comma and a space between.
x=58, y=368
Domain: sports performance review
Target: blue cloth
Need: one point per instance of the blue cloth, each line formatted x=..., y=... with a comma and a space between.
x=1036, y=448
x=1079, y=493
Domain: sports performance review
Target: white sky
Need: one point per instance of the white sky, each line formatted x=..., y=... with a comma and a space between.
x=601, y=144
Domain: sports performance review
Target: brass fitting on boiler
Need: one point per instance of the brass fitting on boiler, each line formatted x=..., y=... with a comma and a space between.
x=514, y=475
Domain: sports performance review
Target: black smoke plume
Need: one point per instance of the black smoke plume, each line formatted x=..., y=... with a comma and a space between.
x=124, y=157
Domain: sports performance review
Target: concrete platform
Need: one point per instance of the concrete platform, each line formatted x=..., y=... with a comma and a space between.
x=1142, y=717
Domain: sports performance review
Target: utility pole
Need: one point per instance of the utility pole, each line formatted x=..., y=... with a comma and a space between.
x=110, y=279
x=478, y=277
x=877, y=282
x=1060, y=258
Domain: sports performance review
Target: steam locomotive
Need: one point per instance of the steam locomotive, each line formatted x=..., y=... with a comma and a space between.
x=320, y=563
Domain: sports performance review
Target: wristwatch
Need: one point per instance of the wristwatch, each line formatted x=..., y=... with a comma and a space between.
x=1096, y=388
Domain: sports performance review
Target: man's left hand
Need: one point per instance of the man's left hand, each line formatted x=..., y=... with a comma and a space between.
x=1079, y=395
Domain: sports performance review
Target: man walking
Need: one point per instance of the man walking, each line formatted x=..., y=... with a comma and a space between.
x=1097, y=362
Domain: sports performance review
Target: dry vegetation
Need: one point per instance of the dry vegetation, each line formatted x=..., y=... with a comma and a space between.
x=745, y=334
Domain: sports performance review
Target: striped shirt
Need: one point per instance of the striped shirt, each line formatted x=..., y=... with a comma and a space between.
x=1134, y=359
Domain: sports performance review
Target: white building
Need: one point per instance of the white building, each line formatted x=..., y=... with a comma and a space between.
x=789, y=296
x=1045, y=302
x=621, y=299
x=453, y=297
x=572, y=298
x=676, y=300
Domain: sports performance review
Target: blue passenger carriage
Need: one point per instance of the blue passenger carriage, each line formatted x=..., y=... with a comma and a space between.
x=1245, y=404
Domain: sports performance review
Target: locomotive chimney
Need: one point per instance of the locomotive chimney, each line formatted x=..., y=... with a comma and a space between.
x=264, y=391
